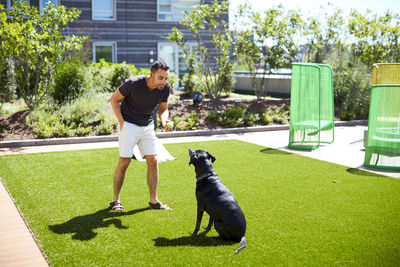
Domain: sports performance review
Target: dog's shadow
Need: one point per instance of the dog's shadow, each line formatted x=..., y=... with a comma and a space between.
x=200, y=240
x=82, y=227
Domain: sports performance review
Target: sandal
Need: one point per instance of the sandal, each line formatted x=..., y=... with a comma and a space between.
x=158, y=206
x=116, y=205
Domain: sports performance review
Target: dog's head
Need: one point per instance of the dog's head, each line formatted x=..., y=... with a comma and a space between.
x=201, y=160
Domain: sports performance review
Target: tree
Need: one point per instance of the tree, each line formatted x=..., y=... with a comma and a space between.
x=324, y=37
x=267, y=42
x=34, y=44
x=211, y=58
x=376, y=37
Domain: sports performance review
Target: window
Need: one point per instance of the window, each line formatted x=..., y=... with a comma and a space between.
x=105, y=50
x=10, y=3
x=173, y=10
x=103, y=9
x=173, y=56
x=43, y=4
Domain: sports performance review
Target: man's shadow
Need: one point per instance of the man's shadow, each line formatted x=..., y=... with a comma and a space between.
x=82, y=226
x=200, y=240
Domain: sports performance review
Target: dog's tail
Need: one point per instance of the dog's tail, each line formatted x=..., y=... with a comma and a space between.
x=243, y=244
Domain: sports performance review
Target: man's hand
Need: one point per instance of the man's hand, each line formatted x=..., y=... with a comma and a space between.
x=168, y=125
x=116, y=97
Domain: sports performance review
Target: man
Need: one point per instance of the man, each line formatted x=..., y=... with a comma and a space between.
x=140, y=96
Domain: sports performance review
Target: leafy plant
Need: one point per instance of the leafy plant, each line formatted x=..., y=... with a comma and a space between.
x=36, y=43
x=280, y=116
x=190, y=123
x=208, y=28
x=173, y=80
x=233, y=117
x=267, y=115
x=69, y=81
x=99, y=76
x=121, y=73
x=188, y=82
x=376, y=38
x=81, y=117
x=266, y=42
x=250, y=119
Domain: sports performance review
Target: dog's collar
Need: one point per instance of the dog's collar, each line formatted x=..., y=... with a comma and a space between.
x=205, y=175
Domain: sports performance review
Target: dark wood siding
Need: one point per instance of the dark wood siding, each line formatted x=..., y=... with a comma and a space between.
x=135, y=30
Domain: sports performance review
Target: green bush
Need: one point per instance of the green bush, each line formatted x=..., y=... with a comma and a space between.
x=173, y=80
x=191, y=84
x=250, y=119
x=8, y=88
x=188, y=83
x=82, y=117
x=227, y=79
x=106, y=77
x=121, y=72
x=233, y=117
x=69, y=82
x=267, y=115
x=280, y=116
x=99, y=77
x=352, y=93
x=352, y=86
x=190, y=123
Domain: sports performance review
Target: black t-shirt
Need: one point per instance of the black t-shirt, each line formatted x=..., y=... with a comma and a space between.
x=139, y=102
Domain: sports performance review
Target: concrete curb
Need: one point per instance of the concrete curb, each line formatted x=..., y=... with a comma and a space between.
x=113, y=138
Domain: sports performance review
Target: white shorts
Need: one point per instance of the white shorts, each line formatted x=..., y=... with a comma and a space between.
x=142, y=136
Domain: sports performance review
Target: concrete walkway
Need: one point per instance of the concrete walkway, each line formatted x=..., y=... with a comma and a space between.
x=18, y=247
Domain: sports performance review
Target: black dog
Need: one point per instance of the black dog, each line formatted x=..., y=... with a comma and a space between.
x=214, y=198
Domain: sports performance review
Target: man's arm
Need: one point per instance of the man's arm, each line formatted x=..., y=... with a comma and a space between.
x=116, y=97
x=164, y=114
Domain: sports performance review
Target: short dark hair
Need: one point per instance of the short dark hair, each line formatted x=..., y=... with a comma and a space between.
x=159, y=64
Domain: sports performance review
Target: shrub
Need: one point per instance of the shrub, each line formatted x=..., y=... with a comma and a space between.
x=187, y=79
x=227, y=79
x=352, y=93
x=191, y=84
x=279, y=116
x=233, y=117
x=173, y=80
x=352, y=86
x=8, y=87
x=81, y=117
x=267, y=115
x=69, y=82
x=191, y=122
x=250, y=119
x=121, y=73
x=99, y=77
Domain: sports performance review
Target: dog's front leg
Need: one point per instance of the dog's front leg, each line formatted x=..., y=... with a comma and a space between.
x=210, y=224
x=200, y=211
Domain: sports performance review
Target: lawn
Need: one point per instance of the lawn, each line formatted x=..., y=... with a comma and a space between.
x=299, y=211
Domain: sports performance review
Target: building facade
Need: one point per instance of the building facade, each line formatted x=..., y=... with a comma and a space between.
x=131, y=31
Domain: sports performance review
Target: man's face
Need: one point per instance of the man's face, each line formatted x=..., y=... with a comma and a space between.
x=160, y=78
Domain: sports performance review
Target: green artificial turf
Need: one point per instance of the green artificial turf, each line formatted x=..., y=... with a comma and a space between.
x=299, y=211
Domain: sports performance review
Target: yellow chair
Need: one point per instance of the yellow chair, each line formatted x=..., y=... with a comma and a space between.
x=386, y=73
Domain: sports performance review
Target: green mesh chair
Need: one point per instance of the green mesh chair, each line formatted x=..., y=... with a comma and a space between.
x=311, y=106
x=386, y=73
x=382, y=148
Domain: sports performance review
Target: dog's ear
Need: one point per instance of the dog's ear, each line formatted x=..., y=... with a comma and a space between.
x=192, y=155
x=193, y=158
x=210, y=156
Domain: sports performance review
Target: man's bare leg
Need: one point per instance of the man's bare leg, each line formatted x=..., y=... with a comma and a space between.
x=119, y=176
x=152, y=182
x=152, y=177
